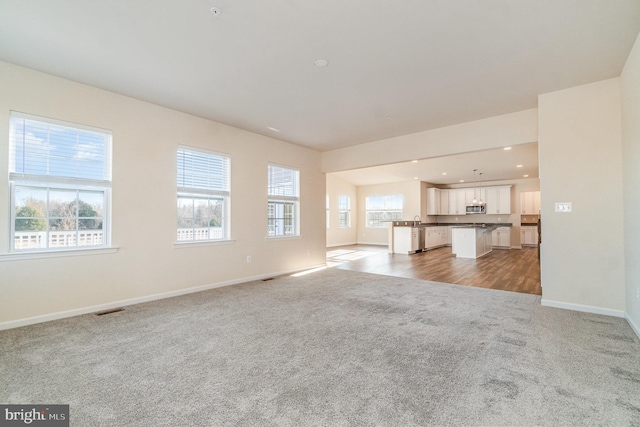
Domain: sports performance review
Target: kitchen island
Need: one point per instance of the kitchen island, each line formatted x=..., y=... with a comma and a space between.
x=471, y=241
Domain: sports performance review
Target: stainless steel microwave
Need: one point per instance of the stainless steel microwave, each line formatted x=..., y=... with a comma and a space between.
x=476, y=209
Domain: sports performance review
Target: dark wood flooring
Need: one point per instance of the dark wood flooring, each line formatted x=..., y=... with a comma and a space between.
x=516, y=270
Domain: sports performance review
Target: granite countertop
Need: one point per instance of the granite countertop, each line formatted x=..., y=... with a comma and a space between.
x=467, y=224
x=450, y=224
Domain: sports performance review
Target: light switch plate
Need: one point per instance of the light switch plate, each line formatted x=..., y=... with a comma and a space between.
x=563, y=207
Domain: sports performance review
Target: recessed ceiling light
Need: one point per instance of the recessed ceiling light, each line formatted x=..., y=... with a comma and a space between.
x=273, y=129
x=414, y=161
x=525, y=176
x=388, y=116
x=321, y=62
x=415, y=177
x=444, y=173
x=507, y=148
x=519, y=166
x=215, y=11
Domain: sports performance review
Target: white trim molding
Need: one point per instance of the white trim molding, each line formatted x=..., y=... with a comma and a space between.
x=335, y=245
x=583, y=308
x=123, y=303
x=635, y=327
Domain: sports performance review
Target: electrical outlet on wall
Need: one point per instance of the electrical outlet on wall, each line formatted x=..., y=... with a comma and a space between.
x=638, y=294
x=248, y=259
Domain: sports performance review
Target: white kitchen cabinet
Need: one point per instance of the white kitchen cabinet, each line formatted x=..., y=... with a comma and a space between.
x=530, y=203
x=529, y=235
x=435, y=237
x=457, y=203
x=469, y=195
x=444, y=202
x=433, y=201
x=406, y=240
x=501, y=237
x=498, y=200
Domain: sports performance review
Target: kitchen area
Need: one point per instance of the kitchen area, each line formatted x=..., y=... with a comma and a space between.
x=502, y=251
x=486, y=215
x=454, y=225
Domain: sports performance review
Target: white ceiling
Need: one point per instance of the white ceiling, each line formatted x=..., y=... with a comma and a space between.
x=494, y=165
x=395, y=67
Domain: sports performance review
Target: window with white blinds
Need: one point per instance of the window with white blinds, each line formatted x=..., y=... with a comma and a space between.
x=60, y=179
x=56, y=151
x=203, y=180
x=283, y=210
x=344, y=212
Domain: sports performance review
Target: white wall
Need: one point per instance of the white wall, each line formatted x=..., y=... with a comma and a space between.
x=411, y=207
x=581, y=162
x=494, y=132
x=341, y=236
x=630, y=89
x=145, y=138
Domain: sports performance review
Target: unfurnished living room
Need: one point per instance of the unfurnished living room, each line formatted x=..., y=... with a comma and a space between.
x=336, y=213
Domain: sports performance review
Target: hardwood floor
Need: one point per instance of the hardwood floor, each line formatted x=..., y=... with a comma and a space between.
x=516, y=270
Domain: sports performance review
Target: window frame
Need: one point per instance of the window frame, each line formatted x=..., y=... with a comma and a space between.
x=197, y=193
x=328, y=213
x=52, y=182
x=274, y=200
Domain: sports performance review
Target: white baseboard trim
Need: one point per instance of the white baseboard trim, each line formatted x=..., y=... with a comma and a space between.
x=372, y=243
x=583, y=308
x=635, y=327
x=138, y=300
x=333, y=245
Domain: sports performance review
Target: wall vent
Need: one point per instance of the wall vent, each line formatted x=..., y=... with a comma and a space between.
x=114, y=310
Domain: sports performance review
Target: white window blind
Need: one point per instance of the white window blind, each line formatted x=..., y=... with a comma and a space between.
x=203, y=171
x=45, y=149
x=283, y=181
x=203, y=180
x=60, y=179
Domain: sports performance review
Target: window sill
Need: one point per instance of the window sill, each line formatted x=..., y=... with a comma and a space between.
x=18, y=256
x=198, y=243
x=274, y=238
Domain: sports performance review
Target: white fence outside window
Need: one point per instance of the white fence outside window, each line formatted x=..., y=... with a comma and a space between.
x=204, y=233
x=57, y=239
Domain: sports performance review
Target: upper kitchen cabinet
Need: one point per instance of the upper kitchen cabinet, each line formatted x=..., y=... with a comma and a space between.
x=457, y=202
x=433, y=201
x=530, y=202
x=444, y=202
x=498, y=200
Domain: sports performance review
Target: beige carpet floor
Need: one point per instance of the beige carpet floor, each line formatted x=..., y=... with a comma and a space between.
x=333, y=348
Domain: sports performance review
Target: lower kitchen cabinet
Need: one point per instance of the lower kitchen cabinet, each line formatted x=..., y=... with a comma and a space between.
x=529, y=236
x=501, y=238
x=435, y=237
